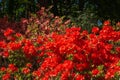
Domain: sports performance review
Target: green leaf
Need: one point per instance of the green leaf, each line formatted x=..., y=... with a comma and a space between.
x=100, y=67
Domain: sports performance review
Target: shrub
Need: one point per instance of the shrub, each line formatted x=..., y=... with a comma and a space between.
x=86, y=18
x=73, y=55
x=44, y=23
x=41, y=23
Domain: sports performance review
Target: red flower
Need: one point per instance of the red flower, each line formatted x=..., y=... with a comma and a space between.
x=110, y=74
x=65, y=75
x=8, y=32
x=82, y=66
x=106, y=23
x=85, y=33
x=26, y=70
x=80, y=77
x=68, y=65
x=18, y=35
x=5, y=54
x=3, y=69
x=108, y=47
x=29, y=51
x=36, y=74
x=95, y=72
x=14, y=46
x=117, y=49
x=94, y=56
x=2, y=44
x=95, y=29
x=40, y=39
x=6, y=77
x=12, y=68
x=45, y=78
x=29, y=65
x=57, y=69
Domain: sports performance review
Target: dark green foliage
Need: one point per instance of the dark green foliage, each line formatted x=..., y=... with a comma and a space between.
x=108, y=9
x=86, y=18
x=15, y=9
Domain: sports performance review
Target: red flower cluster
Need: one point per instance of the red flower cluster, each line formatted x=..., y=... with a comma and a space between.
x=26, y=70
x=8, y=32
x=76, y=52
x=6, y=77
x=12, y=68
x=75, y=55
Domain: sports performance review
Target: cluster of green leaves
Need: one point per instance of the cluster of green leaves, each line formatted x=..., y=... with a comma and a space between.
x=86, y=18
x=15, y=9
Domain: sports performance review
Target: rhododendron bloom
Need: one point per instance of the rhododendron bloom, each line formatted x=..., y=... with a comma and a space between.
x=2, y=44
x=30, y=51
x=14, y=46
x=12, y=68
x=82, y=66
x=95, y=72
x=2, y=69
x=80, y=77
x=6, y=77
x=26, y=70
x=108, y=47
x=18, y=35
x=36, y=73
x=68, y=65
x=8, y=32
x=118, y=49
x=110, y=74
x=6, y=54
x=29, y=65
x=65, y=75
x=106, y=23
x=95, y=29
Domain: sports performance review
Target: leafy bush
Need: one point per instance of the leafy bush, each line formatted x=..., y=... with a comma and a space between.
x=73, y=55
x=86, y=18
x=44, y=23
x=41, y=23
